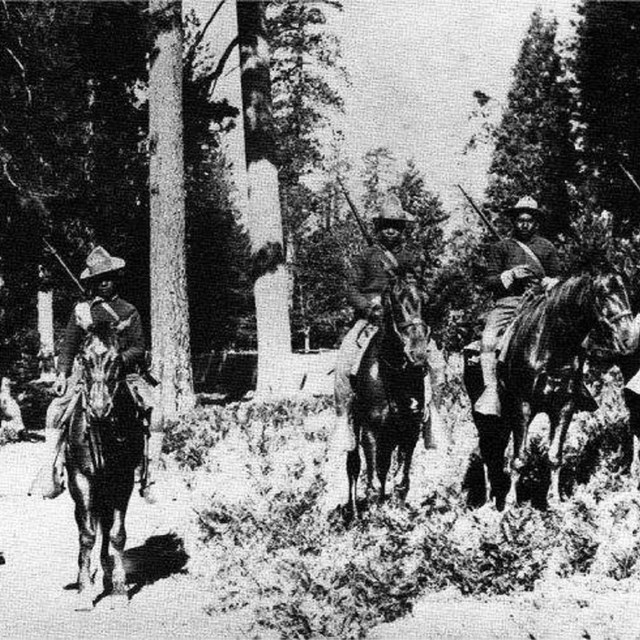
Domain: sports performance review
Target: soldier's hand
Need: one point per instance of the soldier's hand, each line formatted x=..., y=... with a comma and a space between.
x=549, y=283
x=60, y=385
x=521, y=272
x=375, y=313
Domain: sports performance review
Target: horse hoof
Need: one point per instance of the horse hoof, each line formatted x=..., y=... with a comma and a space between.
x=84, y=602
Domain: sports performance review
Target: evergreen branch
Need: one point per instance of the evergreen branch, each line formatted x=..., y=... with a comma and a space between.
x=199, y=37
x=220, y=66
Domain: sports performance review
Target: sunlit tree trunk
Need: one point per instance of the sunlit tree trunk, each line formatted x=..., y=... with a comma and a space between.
x=45, y=328
x=169, y=308
x=264, y=215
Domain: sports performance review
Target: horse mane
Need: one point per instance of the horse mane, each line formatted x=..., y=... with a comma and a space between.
x=551, y=308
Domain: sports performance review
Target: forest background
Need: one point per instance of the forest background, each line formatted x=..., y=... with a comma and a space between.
x=74, y=148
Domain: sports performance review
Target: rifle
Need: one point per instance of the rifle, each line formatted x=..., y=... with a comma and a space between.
x=64, y=266
x=483, y=217
x=629, y=175
x=367, y=236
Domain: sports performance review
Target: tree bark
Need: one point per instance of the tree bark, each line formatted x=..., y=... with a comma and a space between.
x=264, y=215
x=45, y=329
x=169, y=307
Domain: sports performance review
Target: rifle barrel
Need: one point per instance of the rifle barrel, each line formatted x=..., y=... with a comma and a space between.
x=483, y=216
x=64, y=266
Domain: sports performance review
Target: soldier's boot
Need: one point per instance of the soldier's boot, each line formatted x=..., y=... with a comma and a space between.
x=49, y=482
x=154, y=449
x=488, y=403
x=344, y=436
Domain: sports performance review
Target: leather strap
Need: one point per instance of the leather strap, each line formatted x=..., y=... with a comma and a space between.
x=529, y=251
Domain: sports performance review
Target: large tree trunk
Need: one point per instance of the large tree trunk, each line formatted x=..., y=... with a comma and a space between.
x=169, y=308
x=45, y=328
x=264, y=216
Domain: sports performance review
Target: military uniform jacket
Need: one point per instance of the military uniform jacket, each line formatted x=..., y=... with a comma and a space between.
x=507, y=254
x=370, y=275
x=132, y=343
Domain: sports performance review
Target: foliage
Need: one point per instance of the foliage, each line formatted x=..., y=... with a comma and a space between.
x=534, y=153
x=274, y=552
x=605, y=59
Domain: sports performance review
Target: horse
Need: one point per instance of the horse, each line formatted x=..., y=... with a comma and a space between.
x=389, y=391
x=541, y=372
x=105, y=444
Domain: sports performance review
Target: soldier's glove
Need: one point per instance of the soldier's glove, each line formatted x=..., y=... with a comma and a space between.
x=375, y=314
x=522, y=272
x=549, y=283
x=60, y=385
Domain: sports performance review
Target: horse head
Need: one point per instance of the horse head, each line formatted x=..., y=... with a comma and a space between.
x=403, y=313
x=615, y=329
x=101, y=368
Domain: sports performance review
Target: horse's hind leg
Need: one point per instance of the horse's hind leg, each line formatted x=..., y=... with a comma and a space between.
x=353, y=472
x=81, y=492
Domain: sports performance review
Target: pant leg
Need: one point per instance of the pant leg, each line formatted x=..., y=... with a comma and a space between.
x=347, y=359
x=501, y=316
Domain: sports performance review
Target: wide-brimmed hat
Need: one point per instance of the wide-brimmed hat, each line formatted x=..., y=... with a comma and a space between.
x=527, y=204
x=392, y=211
x=99, y=262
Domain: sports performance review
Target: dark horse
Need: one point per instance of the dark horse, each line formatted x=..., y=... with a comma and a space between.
x=541, y=372
x=104, y=445
x=389, y=392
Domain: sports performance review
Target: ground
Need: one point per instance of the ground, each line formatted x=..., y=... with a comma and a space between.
x=38, y=540
x=244, y=580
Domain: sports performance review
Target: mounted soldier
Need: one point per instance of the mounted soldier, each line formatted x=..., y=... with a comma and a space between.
x=372, y=273
x=102, y=275
x=514, y=266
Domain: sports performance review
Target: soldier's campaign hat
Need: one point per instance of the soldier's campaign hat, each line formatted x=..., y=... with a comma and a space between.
x=526, y=204
x=392, y=211
x=99, y=262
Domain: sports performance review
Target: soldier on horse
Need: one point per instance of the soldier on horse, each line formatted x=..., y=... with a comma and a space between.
x=101, y=276
x=514, y=265
x=372, y=273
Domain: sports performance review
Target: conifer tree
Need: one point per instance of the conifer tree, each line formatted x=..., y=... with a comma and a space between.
x=534, y=152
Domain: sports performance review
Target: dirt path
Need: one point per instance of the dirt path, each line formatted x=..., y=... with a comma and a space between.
x=38, y=540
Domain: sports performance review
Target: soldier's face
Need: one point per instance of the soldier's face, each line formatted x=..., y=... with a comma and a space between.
x=104, y=287
x=525, y=226
x=390, y=235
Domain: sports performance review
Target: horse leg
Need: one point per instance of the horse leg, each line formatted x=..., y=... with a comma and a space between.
x=633, y=405
x=559, y=423
x=521, y=417
x=353, y=472
x=407, y=449
x=383, y=464
x=118, y=539
x=80, y=490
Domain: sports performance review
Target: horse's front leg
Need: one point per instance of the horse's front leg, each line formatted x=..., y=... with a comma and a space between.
x=520, y=413
x=559, y=420
x=118, y=539
x=407, y=448
x=80, y=490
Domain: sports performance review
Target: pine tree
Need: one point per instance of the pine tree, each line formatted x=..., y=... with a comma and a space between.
x=169, y=306
x=607, y=77
x=534, y=152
